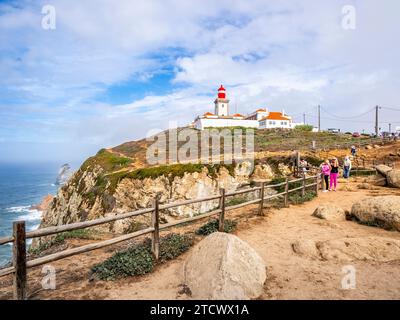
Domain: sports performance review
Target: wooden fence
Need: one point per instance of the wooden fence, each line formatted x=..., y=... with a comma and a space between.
x=18, y=239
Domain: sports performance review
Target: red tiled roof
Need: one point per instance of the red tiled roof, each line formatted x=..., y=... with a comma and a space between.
x=276, y=116
x=237, y=115
x=209, y=114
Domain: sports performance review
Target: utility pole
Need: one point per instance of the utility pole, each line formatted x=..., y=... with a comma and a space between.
x=377, y=121
x=390, y=128
x=319, y=118
x=304, y=118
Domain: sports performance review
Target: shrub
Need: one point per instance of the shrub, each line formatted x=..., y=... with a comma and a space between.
x=298, y=199
x=173, y=245
x=212, y=226
x=139, y=260
x=235, y=201
x=304, y=127
x=60, y=238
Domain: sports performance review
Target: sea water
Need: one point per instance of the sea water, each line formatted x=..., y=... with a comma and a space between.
x=21, y=186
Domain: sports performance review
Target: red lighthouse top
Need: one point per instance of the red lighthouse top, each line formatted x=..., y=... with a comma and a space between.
x=221, y=92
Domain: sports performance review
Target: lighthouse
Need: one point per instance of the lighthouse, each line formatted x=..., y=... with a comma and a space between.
x=221, y=103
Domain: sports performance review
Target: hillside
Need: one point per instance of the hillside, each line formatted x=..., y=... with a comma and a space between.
x=119, y=179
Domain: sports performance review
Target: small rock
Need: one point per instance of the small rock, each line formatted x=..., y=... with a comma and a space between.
x=330, y=212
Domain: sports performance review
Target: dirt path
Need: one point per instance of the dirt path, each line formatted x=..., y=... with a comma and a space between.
x=290, y=275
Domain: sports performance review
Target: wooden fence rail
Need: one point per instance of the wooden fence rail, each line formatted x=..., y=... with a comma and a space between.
x=20, y=264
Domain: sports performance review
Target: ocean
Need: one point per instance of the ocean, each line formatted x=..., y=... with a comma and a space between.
x=21, y=186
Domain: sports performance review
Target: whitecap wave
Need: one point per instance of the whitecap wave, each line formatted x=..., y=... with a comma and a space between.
x=27, y=213
x=18, y=209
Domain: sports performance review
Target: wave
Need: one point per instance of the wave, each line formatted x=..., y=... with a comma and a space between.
x=28, y=214
x=18, y=209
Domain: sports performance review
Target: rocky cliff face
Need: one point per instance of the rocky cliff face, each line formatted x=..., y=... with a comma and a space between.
x=91, y=193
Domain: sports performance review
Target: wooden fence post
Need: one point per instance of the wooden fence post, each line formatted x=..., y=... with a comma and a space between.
x=303, y=190
x=287, y=193
x=260, y=209
x=19, y=260
x=155, y=239
x=222, y=213
x=316, y=184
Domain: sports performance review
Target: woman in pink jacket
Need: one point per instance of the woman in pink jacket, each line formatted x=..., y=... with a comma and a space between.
x=326, y=171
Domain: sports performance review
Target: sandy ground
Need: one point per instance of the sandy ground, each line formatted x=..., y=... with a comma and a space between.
x=289, y=275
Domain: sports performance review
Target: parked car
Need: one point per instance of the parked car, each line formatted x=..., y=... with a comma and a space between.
x=356, y=135
x=333, y=130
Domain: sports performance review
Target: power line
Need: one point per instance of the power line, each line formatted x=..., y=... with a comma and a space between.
x=350, y=117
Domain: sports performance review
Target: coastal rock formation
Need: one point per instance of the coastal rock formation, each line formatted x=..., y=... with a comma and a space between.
x=93, y=192
x=383, y=211
x=63, y=174
x=44, y=205
x=330, y=212
x=224, y=267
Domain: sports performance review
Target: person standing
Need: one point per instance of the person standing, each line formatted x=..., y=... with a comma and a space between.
x=346, y=167
x=326, y=171
x=334, y=174
x=353, y=151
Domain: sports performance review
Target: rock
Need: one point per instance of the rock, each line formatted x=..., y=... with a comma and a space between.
x=367, y=248
x=379, y=249
x=393, y=178
x=368, y=147
x=63, y=174
x=284, y=169
x=330, y=212
x=383, y=169
x=44, y=205
x=376, y=146
x=223, y=267
x=383, y=211
x=263, y=172
x=364, y=186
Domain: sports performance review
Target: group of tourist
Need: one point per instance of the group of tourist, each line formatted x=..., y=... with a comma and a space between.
x=330, y=172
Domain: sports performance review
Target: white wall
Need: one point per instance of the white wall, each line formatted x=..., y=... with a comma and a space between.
x=218, y=123
x=265, y=124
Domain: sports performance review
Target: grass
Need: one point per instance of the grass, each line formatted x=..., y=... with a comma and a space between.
x=60, y=239
x=212, y=226
x=297, y=198
x=138, y=259
x=235, y=201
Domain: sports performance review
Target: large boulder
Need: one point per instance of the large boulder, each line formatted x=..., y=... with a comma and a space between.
x=383, y=169
x=224, y=267
x=329, y=212
x=393, y=178
x=383, y=211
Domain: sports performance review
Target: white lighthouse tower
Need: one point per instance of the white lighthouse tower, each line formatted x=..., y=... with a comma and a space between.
x=221, y=103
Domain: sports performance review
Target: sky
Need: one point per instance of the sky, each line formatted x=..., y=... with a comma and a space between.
x=112, y=71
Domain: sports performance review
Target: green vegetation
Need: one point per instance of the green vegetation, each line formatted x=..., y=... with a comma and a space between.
x=60, y=239
x=280, y=189
x=296, y=198
x=304, y=127
x=235, y=201
x=212, y=226
x=138, y=260
x=107, y=160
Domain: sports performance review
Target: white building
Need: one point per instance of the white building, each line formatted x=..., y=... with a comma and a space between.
x=259, y=119
x=221, y=117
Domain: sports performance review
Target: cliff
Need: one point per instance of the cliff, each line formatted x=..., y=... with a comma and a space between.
x=118, y=180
